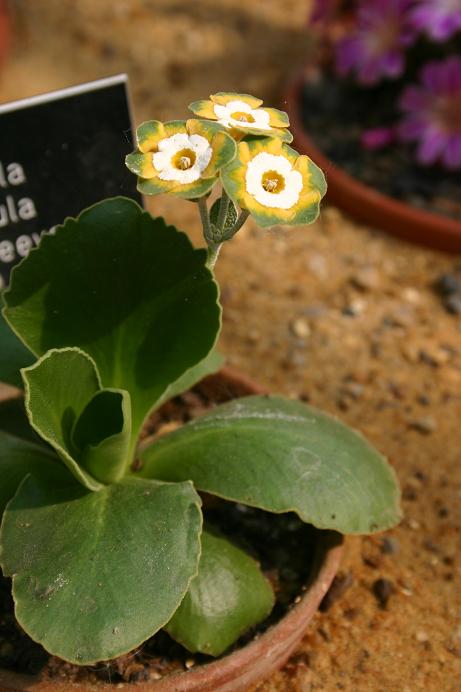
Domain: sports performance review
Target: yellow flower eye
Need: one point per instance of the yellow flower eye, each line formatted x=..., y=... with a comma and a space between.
x=243, y=117
x=184, y=159
x=272, y=181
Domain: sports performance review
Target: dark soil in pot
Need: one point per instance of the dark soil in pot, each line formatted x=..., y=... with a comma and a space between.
x=281, y=543
x=335, y=113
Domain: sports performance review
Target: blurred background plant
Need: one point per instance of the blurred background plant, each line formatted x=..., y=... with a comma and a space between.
x=404, y=55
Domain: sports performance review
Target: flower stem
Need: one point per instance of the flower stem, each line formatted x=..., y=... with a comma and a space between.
x=205, y=218
x=223, y=208
x=213, y=252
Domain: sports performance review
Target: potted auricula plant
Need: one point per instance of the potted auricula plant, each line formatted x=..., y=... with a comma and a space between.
x=108, y=539
x=392, y=70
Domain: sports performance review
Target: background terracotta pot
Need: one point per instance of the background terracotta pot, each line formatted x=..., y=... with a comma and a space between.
x=4, y=32
x=365, y=203
x=262, y=656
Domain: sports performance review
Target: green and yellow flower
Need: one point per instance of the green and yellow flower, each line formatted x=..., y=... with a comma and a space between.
x=242, y=115
x=274, y=183
x=179, y=156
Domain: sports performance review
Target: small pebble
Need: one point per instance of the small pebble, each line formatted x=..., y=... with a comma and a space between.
x=366, y=279
x=355, y=308
x=300, y=328
x=422, y=637
x=452, y=303
x=447, y=284
x=390, y=545
x=318, y=266
x=383, y=589
x=411, y=295
x=425, y=425
x=189, y=663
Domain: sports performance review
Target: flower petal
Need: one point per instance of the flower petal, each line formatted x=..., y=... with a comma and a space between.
x=154, y=186
x=194, y=190
x=278, y=133
x=223, y=97
x=204, y=108
x=312, y=175
x=277, y=118
x=141, y=164
x=205, y=128
x=174, y=127
x=148, y=135
x=224, y=151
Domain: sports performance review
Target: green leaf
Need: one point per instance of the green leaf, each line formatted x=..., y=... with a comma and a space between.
x=102, y=435
x=13, y=420
x=125, y=288
x=227, y=597
x=18, y=458
x=280, y=455
x=13, y=355
x=96, y=574
x=208, y=366
x=58, y=388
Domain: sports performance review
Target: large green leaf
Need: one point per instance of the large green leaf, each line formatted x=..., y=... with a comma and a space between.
x=102, y=435
x=281, y=456
x=13, y=355
x=18, y=458
x=227, y=597
x=127, y=289
x=208, y=366
x=13, y=420
x=97, y=573
x=58, y=387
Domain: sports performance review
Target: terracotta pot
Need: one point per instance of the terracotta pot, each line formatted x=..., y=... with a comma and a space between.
x=258, y=659
x=4, y=32
x=365, y=203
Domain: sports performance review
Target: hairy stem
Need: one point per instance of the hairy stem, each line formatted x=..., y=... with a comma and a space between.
x=223, y=208
x=205, y=218
x=213, y=252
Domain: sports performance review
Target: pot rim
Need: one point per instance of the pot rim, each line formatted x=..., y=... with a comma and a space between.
x=251, y=663
x=364, y=202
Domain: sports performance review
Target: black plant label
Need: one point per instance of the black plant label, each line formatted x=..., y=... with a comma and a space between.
x=59, y=153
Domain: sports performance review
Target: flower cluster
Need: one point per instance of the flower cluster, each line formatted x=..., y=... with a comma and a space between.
x=385, y=40
x=376, y=48
x=238, y=141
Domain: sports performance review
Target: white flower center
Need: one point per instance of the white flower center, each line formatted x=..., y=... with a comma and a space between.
x=182, y=157
x=238, y=113
x=271, y=180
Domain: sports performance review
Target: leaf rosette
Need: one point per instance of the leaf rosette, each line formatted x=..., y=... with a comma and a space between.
x=120, y=313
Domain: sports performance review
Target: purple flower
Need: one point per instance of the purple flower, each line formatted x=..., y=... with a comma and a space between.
x=377, y=47
x=440, y=19
x=432, y=113
x=377, y=137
